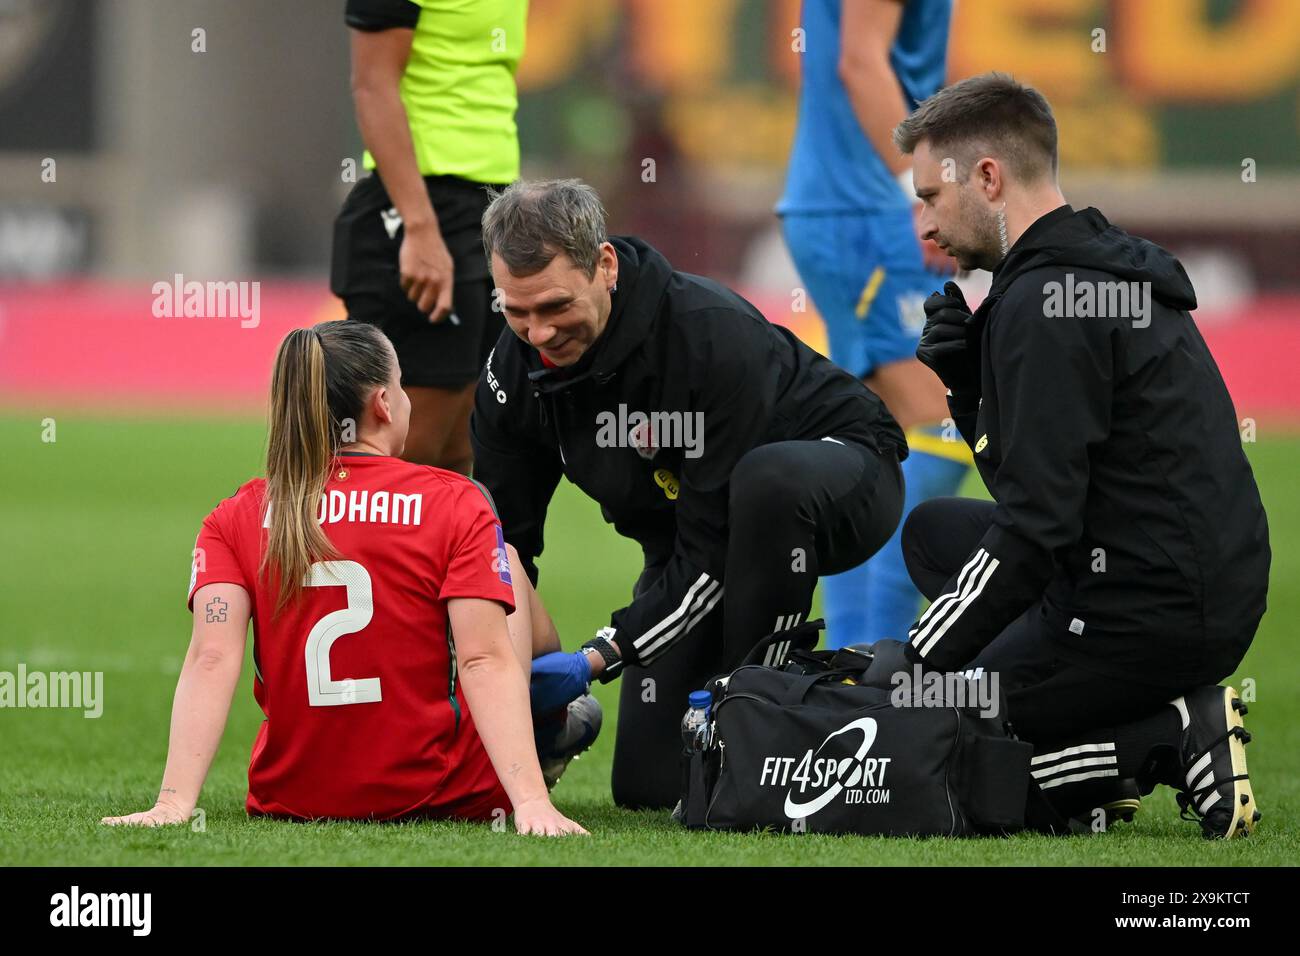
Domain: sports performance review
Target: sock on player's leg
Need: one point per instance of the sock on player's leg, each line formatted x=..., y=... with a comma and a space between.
x=844, y=606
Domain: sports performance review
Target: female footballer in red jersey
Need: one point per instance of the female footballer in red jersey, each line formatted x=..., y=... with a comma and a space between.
x=393, y=682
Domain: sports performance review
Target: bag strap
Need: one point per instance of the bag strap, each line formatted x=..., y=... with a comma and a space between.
x=798, y=687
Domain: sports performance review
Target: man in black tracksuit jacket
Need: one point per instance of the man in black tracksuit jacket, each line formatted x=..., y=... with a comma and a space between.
x=779, y=467
x=1126, y=509
x=1122, y=565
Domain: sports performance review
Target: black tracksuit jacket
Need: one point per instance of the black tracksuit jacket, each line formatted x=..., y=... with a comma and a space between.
x=1125, y=505
x=674, y=342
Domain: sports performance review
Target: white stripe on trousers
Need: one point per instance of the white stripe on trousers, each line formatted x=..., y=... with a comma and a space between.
x=1076, y=777
x=1108, y=761
x=1071, y=752
x=776, y=652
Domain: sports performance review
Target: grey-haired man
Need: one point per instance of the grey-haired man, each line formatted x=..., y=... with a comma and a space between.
x=743, y=463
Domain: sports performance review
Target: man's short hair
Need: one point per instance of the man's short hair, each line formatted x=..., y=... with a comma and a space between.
x=986, y=115
x=528, y=224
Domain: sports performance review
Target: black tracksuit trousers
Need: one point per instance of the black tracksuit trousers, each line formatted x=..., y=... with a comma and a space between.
x=797, y=510
x=1090, y=731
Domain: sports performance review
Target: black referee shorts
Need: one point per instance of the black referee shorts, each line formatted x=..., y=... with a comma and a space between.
x=364, y=274
x=798, y=509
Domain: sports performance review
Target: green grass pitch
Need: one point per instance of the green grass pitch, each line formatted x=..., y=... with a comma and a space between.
x=97, y=531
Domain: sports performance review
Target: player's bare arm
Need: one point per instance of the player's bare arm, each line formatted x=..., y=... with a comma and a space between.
x=201, y=706
x=497, y=693
x=867, y=32
x=532, y=632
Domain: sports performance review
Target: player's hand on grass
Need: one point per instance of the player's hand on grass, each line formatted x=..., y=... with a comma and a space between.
x=426, y=270
x=160, y=815
x=949, y=343
x=540, y=818
x=558, y=678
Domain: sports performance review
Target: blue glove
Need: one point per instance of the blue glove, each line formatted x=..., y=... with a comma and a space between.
x=558, y=678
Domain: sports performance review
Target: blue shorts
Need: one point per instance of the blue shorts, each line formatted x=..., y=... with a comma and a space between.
x=863, y=272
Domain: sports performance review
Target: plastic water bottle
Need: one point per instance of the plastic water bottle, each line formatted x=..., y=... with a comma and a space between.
x=695, y=725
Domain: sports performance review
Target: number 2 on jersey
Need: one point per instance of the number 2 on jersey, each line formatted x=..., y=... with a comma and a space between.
x=322, y=689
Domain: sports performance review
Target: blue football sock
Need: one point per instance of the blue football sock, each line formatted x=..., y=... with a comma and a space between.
x=877, y=599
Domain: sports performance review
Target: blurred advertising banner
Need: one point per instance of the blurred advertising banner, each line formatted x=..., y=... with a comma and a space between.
x=142, y=137
x=131, y=346
x=1136, y=84
x=1176, y=83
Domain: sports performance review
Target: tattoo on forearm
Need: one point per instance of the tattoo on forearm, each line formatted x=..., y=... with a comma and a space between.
x=514, y=769
x=167, y=790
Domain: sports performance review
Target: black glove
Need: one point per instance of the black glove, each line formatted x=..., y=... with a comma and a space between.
x=891, y=657
x=949, y=342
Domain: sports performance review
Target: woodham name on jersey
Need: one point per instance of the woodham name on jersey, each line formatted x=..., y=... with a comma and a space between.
x=360, y=506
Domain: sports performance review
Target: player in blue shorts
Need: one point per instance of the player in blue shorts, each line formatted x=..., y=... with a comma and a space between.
x=847, y=216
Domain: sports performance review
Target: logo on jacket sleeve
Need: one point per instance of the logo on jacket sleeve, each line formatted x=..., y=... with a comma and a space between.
x=666, y=480
x=817, y=778
x=981, y=444
x=493, y=384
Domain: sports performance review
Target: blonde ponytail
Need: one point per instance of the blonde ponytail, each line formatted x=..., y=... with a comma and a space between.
x=299, y=455
x=322, y=378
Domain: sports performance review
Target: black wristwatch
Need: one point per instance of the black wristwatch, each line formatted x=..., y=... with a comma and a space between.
x=603, y=645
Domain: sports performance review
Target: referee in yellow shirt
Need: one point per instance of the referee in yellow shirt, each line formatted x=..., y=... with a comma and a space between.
x=433, y=82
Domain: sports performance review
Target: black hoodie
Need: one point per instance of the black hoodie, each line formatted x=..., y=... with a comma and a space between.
x=676, y=344
x=1103, y=430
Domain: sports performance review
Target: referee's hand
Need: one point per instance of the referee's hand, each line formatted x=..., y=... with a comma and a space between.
x=948, y=345
x=426, y=271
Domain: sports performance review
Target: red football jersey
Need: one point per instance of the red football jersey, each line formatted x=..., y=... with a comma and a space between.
x=365, y=716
